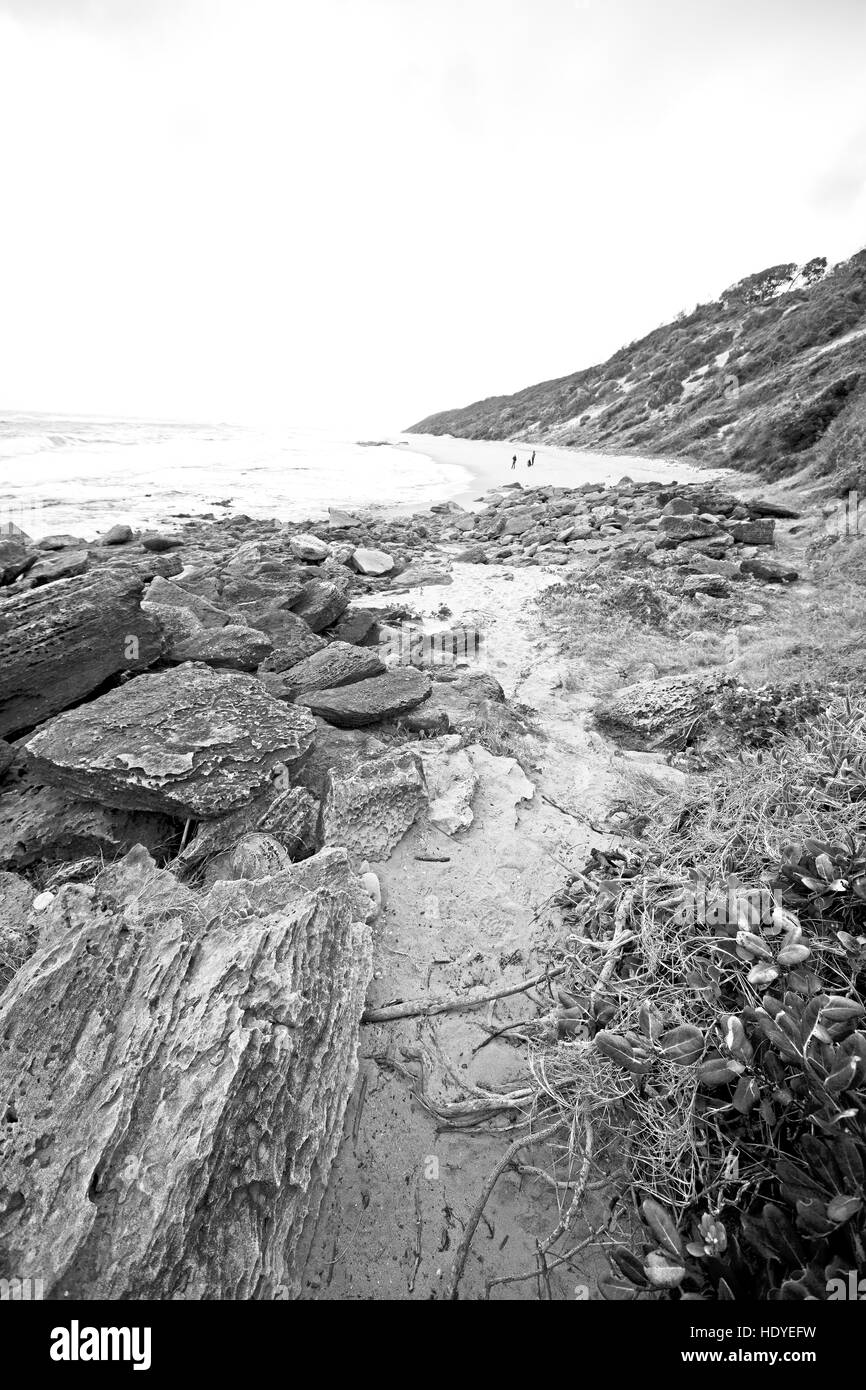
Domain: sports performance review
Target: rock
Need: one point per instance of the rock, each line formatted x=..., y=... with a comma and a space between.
x=290, y=817
x=321, y=603
x=335, y=665
x=254, y=856
x=58, y=542
x=42, y=825
x=658, y=714
x=340, y=520
x=426, y=720
x=61, y=643
x=170, y=593
x=370, y=806
x=472, y=555
x=309, y=548
x=158, y=543
x=712, y=584
x=231, y=648
x=15, y=559
x=762, y=507
x=354, y=626
x=756, y=532
x=191, y=743
x=119, y=534
x=373, y=562
x=451, y=781
x=7, y=756
x=185, y=1120
x=673, y=530
x=17, y=938
x=370, y=701
x=292, y=638
x=416, y=576
x=715, y=547
x=769, y=570
x=62, y=564
x=679, y=506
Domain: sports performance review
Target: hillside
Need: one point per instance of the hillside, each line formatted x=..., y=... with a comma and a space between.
x=769, y=376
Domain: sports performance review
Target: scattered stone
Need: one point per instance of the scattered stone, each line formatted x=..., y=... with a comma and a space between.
x=673, y=530
x=372, y=562
x=309, y=548
x=62, y=564
x=370, y=701
x=157, y=542
x=756, y=532
x=170, y=593
x=58, y=542
x=117, y=535
x=769, y=570
x=289, y=817
x=190, y=743
x=712, y=584
x=417, y=576
x=242, y=1007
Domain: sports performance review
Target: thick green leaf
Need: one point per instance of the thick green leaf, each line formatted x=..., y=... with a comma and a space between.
x=663, y=1226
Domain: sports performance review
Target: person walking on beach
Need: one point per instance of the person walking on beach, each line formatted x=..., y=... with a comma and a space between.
x=514, y=462
x=529, y=463
x=532, y=460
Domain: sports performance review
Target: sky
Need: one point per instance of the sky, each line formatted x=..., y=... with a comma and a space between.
x=352, y=213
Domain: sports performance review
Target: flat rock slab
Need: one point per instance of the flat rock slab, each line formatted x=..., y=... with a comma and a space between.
x=769, y=570
x=231, y=648
x=338, y=664
x=370, y=701
x=44, y=825
x=62, y=641
x=179, y=1066
x=191, y=743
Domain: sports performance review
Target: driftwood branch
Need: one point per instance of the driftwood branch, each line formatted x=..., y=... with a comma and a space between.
x=415, y=1008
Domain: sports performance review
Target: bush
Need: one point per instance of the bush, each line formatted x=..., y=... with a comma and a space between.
x=843, y=449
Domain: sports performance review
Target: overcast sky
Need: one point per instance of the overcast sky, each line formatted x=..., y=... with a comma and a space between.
x=355, y=212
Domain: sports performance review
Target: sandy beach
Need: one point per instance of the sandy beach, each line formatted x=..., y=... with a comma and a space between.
x=488, y=463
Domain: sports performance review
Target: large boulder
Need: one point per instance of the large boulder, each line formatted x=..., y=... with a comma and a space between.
x=61, y=642
x=42, y=825
x=369, y=807
x=179, y=1067
x=337, y=664
x=293, y=639
x=57, y=564
x=190, y=742
x=168, y=593
x=15, y=559
x=370, y=701
x=658, y=714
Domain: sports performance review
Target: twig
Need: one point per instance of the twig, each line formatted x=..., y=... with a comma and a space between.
x=478, y=1210
x=619, y=936
x=415, y=1009
x=434, y=858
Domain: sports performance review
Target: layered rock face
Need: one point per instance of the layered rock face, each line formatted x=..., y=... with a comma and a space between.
x=61, y=641
x=174, y=1075
x=190, y=742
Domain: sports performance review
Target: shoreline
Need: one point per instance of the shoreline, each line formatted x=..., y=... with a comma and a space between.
x=554, y=466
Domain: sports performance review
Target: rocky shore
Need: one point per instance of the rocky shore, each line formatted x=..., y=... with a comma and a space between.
x=240, y=763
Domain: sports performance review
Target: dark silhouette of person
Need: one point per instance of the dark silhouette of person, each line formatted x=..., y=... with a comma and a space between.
x=514, y=462
x=533, y=456
x=529, y=463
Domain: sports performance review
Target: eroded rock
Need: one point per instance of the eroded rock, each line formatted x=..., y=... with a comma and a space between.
x=190, y=742
x=180, y=1066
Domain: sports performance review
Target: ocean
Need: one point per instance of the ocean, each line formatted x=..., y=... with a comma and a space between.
x=65, y=474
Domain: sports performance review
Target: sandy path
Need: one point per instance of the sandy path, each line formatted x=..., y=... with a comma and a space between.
x=400, y=1191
